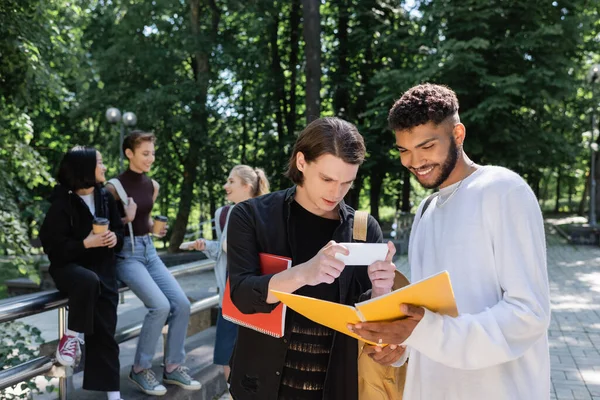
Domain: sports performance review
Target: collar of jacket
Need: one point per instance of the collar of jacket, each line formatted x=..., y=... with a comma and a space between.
x=290, y=194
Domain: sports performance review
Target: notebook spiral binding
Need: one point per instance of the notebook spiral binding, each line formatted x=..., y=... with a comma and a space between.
x=254, y=328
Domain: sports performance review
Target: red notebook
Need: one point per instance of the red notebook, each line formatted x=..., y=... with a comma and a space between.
x=272, y=323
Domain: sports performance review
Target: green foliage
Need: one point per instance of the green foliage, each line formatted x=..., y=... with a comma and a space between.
x=21, y=173
x=32, y=45
x=18, y=343
x=518, y=69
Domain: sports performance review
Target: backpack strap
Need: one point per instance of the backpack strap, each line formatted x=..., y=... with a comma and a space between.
x=116, y=183
x=359, y=230
x=428, y=202
x=223, y=216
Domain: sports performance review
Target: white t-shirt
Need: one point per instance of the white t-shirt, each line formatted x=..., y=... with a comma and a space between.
x=88, y=199
x=490, y=237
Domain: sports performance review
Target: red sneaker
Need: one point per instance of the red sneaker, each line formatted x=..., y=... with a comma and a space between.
x=68, y=350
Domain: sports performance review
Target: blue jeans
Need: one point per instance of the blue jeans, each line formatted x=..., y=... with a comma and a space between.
x=225, y=340
x=147, y=276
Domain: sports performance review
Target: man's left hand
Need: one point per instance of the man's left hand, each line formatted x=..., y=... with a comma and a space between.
x=384, y=355
x=382, y=273
x=395, y=332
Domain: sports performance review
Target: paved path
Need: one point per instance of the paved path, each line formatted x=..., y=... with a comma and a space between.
x=574, y=273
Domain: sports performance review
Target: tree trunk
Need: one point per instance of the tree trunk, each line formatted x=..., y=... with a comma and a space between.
x=535, y=183
x=201, y=70
x=212, y=207
x=353, y=196
x=406, y=191
x=545, y=184
x=278, y=78
x=584, y=196
x=375, y=193
x=254, y=139
x=597, y=180
x=570, y=180
x=244, y=123
x=312, y=51
x=557, y=203
x=279, y=98
x=293, y=67
x=186, y=195
x=341, y=96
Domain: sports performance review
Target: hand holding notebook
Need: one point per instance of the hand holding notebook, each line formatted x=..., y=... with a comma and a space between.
x=434, y=293
x=272, y=323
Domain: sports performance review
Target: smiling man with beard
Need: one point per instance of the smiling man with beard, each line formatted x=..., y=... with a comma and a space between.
x=485, y=228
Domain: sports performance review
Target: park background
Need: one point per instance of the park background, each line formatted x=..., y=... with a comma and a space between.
x=222, y=82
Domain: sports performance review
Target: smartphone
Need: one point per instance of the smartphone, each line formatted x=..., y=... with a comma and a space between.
x=363, y=253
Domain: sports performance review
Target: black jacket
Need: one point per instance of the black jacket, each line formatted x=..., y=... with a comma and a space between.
x=262, y=225
x=69, y=221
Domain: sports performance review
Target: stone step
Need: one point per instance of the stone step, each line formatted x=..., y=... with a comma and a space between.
x=199, y=359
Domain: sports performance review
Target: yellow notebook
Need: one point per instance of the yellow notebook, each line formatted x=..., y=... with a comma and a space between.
x=434, y=293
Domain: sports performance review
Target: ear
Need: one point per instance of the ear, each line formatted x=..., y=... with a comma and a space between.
x=129, y=154
x=459, y=132
x=300, y=161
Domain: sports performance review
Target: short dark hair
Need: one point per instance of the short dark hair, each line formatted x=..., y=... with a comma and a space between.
x=135, y=138
x=422, y=104
x=77, y=168
x=329, y=135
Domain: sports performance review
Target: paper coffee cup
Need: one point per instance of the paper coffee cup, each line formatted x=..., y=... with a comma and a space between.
x=159, y=224
x=100, y=225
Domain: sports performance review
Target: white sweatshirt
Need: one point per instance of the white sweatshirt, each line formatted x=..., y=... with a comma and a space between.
x=490, y=237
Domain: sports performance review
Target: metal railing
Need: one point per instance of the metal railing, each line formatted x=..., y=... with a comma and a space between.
x=23, y=306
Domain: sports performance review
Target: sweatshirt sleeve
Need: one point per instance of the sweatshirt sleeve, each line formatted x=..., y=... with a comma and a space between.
x=249, y=289
x=57, y=238
x=212, y=250
x=505, y=331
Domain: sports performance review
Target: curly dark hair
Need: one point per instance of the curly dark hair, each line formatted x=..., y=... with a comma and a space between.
x=422, y=104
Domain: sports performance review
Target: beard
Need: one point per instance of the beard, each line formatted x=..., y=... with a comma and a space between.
x=446, y=168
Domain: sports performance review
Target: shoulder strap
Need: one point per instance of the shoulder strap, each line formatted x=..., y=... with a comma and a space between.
x=120, y=190
x=359, y=230
x=223, y=216
x=123, y=195
x=427, y=203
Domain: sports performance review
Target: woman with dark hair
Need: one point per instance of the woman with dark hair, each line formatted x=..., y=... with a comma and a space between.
x=82, y=264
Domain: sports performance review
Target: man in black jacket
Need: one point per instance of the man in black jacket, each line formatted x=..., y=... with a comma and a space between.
x=304, y=223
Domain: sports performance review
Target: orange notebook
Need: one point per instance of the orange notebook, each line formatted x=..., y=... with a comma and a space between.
x=272, y=323
x=434, y=293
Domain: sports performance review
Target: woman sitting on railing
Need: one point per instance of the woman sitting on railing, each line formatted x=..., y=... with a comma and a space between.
x=80, y=234
x=140, y=268
x=243, y=183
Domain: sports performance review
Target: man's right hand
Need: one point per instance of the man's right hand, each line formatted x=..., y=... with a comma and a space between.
x=324, y=267
x=100, y=240
x=130, y=209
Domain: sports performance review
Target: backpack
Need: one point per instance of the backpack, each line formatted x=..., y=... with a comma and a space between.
x=376, y=381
